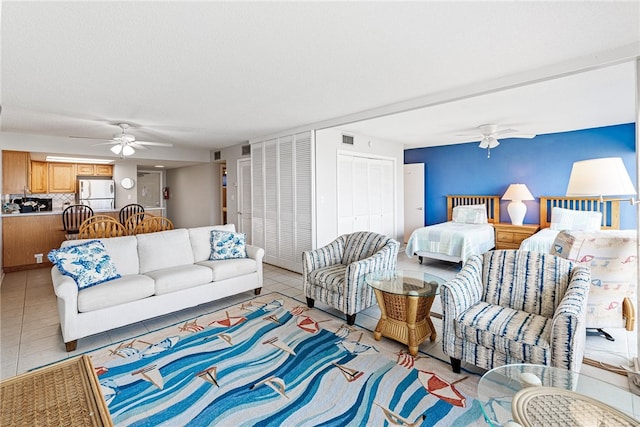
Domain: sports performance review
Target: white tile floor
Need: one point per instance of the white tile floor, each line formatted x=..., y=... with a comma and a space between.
x=30, y=332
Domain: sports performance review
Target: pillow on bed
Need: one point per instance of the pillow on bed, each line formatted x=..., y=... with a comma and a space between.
x=470, y=214
x=569, y=219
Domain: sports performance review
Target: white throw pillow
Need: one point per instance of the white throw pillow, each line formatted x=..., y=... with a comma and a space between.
x=470, y=214
x=569, y=219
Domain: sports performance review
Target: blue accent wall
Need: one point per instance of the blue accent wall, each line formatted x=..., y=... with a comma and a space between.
x=542, y=163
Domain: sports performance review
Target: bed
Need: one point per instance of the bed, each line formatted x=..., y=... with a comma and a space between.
x=460, y=237
x=543, y=239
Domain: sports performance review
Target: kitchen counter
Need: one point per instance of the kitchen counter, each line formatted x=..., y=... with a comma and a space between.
x=59, y=212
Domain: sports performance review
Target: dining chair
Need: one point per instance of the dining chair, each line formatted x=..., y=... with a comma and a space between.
x=129, y=210
x=153, y=224
x=134, y=219
x=103, y=226
x=72, y=217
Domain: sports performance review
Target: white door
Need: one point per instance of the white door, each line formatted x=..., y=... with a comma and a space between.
x=414, y=215
x=244, y=198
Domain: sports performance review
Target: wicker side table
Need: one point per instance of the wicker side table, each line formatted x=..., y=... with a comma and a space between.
x=405, y=299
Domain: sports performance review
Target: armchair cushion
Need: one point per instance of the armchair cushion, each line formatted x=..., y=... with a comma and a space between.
x=331, y=278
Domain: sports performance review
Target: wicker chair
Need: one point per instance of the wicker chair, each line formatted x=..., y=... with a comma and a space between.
x=334, y=274
x=72, y=217
x=104, y=226
x=509, y=306
x=153, y=224
x=129, y=210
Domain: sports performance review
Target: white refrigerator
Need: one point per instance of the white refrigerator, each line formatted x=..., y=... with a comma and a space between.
x=99, y=194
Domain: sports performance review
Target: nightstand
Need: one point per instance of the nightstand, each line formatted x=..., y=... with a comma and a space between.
x=509, y=236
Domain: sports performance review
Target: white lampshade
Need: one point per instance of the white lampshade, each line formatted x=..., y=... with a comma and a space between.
x=517, y=192
x=600, y=177
x=116, y=149
x=127, y=150
x=517, y=210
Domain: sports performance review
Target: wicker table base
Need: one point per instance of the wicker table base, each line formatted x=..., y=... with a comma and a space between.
x=405, y=319
x=63, y=394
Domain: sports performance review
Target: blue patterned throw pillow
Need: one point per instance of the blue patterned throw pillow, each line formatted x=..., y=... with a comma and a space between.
x=227, y=245
x=88, y=263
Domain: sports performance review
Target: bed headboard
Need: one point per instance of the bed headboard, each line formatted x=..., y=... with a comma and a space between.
x=610, y=209
x=491, y=202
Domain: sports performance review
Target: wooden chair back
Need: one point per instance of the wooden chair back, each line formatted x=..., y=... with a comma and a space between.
x=73, y=216
x=153, y=224
x=135, y=219
x=105, y=226
x=129, y=210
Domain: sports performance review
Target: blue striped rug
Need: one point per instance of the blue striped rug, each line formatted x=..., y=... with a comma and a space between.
x=274, y=362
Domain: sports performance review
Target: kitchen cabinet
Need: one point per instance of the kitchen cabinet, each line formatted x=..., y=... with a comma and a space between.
x=93, y=170
x=62, y=178
x=24, y=236
x=39, y=177
x=15, y=172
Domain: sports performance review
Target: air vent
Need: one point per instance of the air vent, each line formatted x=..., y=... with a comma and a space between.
x=246, y=150
x=347, y=139
x=216, y=155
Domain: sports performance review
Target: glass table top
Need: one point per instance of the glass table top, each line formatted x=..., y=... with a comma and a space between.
x=498, y=387
x=403, y=282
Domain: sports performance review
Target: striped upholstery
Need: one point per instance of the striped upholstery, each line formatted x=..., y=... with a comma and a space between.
x=516, y=307
x=334, y=274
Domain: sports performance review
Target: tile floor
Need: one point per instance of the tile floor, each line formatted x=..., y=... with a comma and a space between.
x=30, y=332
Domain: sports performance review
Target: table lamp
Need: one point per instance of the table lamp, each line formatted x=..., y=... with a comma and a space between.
x=517, y=193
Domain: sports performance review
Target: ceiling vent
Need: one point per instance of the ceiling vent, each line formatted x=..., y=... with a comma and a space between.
x=347, y=139
x=246, y=150
x=216, y=155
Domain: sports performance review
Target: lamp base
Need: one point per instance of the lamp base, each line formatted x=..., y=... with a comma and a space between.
x=517, y=211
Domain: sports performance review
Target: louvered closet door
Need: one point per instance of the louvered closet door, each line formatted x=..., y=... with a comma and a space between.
x=286, y=198
x=257, y=194
x=304, y=196
x=271, y=201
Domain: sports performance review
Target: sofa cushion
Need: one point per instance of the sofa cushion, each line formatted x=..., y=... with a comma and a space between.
x=517, y=334
x=225, y=269
x=180, y=277
x=164, y=249
x=115, y=292
x=87, y=263
x=227, y=245
x=200, y=238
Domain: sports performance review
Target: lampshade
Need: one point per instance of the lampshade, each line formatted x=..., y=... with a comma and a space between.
x=127, y=150
x=116, y=149
x=517, y=192
x=600, y=177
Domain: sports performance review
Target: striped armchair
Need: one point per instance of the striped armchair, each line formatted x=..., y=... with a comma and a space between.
x=510, y=306
x=334, y=274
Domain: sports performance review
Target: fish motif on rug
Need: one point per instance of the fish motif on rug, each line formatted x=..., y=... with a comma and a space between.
x=270, y=363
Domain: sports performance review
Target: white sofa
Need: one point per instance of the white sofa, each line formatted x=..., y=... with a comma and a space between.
x=161, y=273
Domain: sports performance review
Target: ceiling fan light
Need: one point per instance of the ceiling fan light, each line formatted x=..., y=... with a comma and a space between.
x=128, y=150
x=116, y=149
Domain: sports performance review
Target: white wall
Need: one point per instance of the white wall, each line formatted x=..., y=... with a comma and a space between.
x=125, y=197
x=194, y=195
x=328, y=144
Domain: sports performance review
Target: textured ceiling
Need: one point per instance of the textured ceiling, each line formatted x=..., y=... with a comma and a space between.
x=214, y=74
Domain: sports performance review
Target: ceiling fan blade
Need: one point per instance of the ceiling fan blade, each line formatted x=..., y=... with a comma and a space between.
x=106, y=143
x=86, y=137
x=138, y=146
x=513, y=133
x=157, y=144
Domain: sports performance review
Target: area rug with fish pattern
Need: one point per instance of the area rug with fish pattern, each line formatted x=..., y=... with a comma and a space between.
x=272, y=361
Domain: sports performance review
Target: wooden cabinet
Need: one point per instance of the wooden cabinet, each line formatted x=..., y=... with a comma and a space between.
x=103, y=170
x=509, y=236
x=24, y=236
x=39, y=177
x=15, y=172
x=94, y=170
x=62, y=178
x=82, y=169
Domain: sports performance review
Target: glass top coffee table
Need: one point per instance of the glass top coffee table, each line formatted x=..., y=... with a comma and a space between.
x=542, y=395
x=405, y=299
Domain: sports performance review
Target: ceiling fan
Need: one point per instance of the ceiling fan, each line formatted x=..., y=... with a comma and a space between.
x=125, y=144
x=488, y=136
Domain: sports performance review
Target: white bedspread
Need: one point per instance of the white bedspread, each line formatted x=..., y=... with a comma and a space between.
x=540, y=241
x=453, y=239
